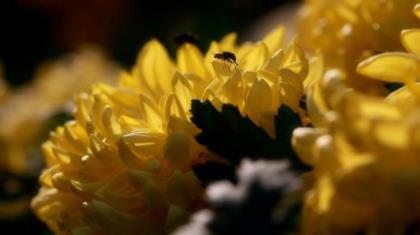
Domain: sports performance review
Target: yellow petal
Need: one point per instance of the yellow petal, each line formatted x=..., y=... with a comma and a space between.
x=173, y=108
x=81, y=112
x=126, y=97
x=274, y=39
x=294, y=59
x=391, y=134
x=214, y=48
x=333, y=87
x=127, y=80
x=155, y=68
x=416, y=10
x=303, y=141
x=274, y=63
x=410, y=39
x=243, y=50
x=390, y=67
x=150, y=112
x=76, y=135
x=103, y=151
x=259, y=100
x=228, y=42
x=289, y=96
x=403, y=98
x=222, y=68
x=111, y=125
x=368, y=107
x=233, y=90
x=144, y=142
x=316, y=106
x=292, y=79
x=256, y=58
x=191, y=60
x=315, y=73
x=183, y=90
x=326, y=192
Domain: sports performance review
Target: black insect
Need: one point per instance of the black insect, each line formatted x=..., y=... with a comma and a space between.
x=182, y=38
x=226, y=56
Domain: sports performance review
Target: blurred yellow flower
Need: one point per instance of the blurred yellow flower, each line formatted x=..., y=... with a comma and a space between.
x=124, y=165
x=348, y=31
x=365, y=150
x=27, y=112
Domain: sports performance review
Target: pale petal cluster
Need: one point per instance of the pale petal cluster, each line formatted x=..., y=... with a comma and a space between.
x=124, y=165
x=364, y=149
x=346, y=32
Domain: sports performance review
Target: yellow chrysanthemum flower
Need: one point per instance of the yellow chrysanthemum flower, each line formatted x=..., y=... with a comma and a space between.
x=25, y=112
x=125, y=164
x=348, y=31
x=365, y=150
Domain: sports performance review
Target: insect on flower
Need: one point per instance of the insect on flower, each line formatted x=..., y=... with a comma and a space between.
x=226, y=56
x=182, y=38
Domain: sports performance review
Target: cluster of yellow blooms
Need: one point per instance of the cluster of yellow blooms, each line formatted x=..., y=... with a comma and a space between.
x=365, y=149
x=348, y=31
x=128, y=156
x=125, y=164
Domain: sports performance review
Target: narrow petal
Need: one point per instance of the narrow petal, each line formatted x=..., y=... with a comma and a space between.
x=191, y=60
x=183, y=90
x=403, y=98
x=154, y=67
x=214, y=48
x=274, y=39
x=256, y=58
x=416, y=10
x=390, y=67
x=173, y=108
x=233, y=90
x=150, y=112
x=259, y=100
x=410, y=39
x=303, y=142
x=228, y=42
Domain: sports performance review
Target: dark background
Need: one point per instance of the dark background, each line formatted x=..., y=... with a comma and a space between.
x=34, y=31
